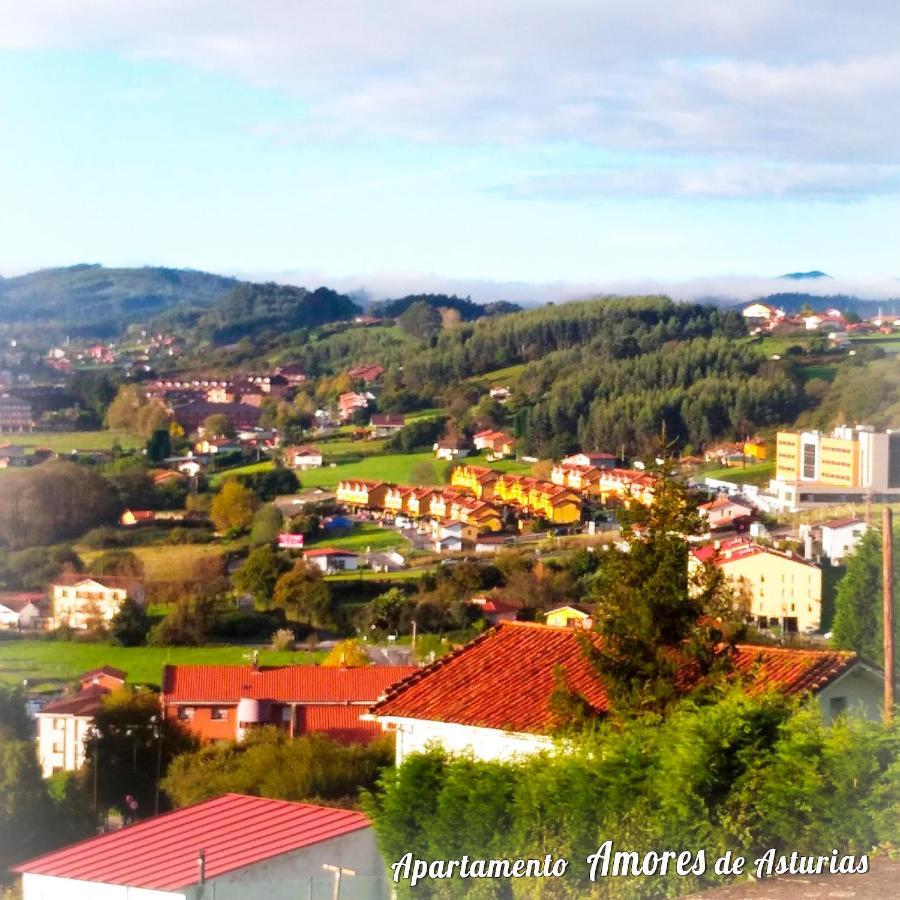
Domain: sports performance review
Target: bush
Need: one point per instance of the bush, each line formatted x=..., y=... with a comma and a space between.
x=283, y=640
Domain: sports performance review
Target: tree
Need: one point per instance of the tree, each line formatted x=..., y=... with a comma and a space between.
x=347, y=654
x=131, y=740
x=25, y=810
x=260, y=573
x=233, y=507
x=14, y=724
x=267, y=525
x=125, y=563
x=304, y=592
x=217, y=425
x=130, y=626
x=653, y=618
x=159, y=446
x=859, y=607
x=420, y=320
x=423, y=473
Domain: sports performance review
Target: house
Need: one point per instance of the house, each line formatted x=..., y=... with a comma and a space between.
x=292, y=372
x=13, y=456
x=21, y=610
x=15, y=414
x=569, y=617
x=583, y=479
x=479, y=480
x=216, y=446
x=496, y=609
x=452, y=537
x=190, y=416
x=224, y=702
x=79, y=601
x=500, y=393
x=328, y=560
x=491, y=698
x=783, y=589
x=386, y=424
x=722, y=512
x=840, y=538
x=131, y=518
x=626, y=486
x=303, y=457
x=396, y=498
x=232, y=847
x=368, y=373
x=64, y=724
x=362, y=492
x=584, y=459
x=418, y=501
x=497, y=443
x=450, y=450
x=350, y=402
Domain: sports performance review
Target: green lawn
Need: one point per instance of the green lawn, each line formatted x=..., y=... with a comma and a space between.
x=395, y=467
x=366, y=575
x=64, y=441
x=52, y=662
x=755, y=473
x=261, y=466
x=507, y=376
x=366, y=536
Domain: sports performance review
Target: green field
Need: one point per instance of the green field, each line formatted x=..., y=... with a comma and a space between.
x=395, y=467
x=165, y=562
x=754, y=473
x=824, y=371
x=507, y=376
x=64, y=441
x=366, y=575
x=51, y=662
x=263, y=466
x=366, y=536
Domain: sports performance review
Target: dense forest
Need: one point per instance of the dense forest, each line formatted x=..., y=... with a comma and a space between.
x=468, y=310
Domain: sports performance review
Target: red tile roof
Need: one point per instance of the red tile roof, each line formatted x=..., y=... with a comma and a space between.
x=111, y=671
x=341, y=723
x=504, y=678
x=161, y=853
x=84, y=703
x=291, y=684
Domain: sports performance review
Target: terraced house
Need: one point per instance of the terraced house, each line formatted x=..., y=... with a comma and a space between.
x=550, y=501
x=362, y=493
x=627, y=486
x=479, y=480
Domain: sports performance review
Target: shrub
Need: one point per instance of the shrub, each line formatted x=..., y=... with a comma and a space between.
x=283, y=639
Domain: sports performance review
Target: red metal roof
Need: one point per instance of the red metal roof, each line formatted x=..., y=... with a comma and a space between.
x=84, y=703
x=329, y=551
x=234, y=831
x=289, y=684
x=504, y=678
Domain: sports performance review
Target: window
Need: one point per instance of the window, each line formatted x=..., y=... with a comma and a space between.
x=837, y=705
x=218, y=713
x=58, y=747
x=186, y=713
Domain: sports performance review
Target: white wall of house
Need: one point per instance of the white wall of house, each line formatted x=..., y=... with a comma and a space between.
x=859, y=691
x=415, y=735
x=837, y=543
x=49, y=887
x=61, y=742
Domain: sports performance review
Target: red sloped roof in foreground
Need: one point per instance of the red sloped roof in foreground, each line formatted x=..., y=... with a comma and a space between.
x=290, y=684
x=161, y=853
x=504, y=678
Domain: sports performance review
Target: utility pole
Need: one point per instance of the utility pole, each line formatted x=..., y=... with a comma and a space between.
x=888, y=597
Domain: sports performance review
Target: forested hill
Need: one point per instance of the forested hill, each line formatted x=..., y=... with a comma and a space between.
x=93, y=301
x=264, y=311
x=467, y=308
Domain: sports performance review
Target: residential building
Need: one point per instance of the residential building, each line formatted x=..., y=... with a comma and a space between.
x=418, y=501
x=23, y=610
x=303, y=457
x=840, y=538
x=595, y=459
x=783, y=590
x=849, y=465
x=13, y=456
x=450, y=450
x=15, y=414
x=350, y=402
x=479, y=480
x=452, y=537
x=626, y=486
x=386, y=424
x=233, y=847
x=723, y=512
x=583, y=479
x=224, y=702
x=190, y=416
x=491, y=698
x=368, y=373
x=569, y=617
x=553, y=502
x=362, y=492
x=328, y=560
x=63, y=725
x=496, y=609
x=497, y=443
x=79, y=601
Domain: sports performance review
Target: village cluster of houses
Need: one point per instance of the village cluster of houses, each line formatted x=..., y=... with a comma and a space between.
x=490, y=698
x=764, y=318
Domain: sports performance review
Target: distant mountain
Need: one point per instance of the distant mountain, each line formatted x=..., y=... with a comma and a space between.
x=800, y=276
x=93, y=301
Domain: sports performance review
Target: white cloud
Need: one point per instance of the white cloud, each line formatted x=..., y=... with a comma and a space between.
x=780, y=83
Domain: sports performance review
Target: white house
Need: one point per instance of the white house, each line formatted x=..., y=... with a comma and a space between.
x=81, y=600
x=595, y=459
x=722, y=512
x=492, y=697
x=840, y=537
x=231, y=848
x=328, y=560
x=64, y=724
x=304, y=458
x=22, y=610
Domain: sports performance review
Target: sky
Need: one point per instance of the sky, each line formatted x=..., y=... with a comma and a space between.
x=504, y=149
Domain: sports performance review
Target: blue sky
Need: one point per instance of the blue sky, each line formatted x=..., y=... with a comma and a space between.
x=495, y=148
